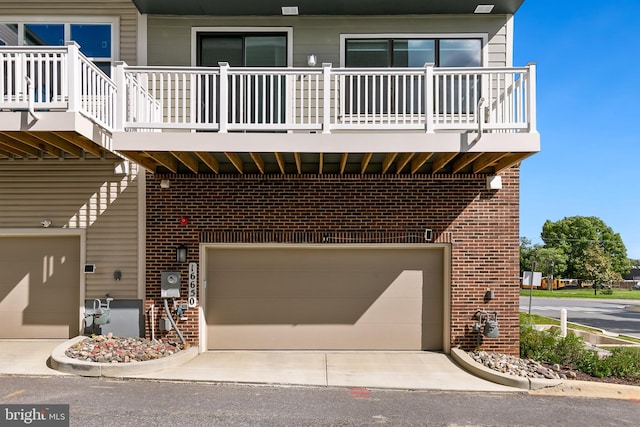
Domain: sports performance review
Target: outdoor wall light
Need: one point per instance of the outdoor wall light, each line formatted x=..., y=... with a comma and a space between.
x=312, y=60
x=489, y=295
x=181, y=253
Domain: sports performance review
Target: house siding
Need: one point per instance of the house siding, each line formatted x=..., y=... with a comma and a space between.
x=169, y=37
x=122, y=9
x=79, y=194
x=481, y=227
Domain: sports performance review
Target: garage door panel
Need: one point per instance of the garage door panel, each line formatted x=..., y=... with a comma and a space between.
x=318, y=259
x=301, y=311
x=39, y=288
x=311, y=337
x=315, y=284
x=350, y=294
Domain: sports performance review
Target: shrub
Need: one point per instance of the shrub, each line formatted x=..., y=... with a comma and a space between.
x=537, y=345
x=548, y=346
x=625, y=362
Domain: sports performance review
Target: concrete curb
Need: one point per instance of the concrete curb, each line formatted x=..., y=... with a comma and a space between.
x=465, y=361
x=573, y=388
x=62, y=363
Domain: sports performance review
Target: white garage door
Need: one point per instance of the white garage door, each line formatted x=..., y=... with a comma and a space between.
x=39, y=286
x=355, y=298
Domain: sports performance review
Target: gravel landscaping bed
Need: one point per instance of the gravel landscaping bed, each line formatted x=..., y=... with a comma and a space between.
x=530, y=368
x=110, y=349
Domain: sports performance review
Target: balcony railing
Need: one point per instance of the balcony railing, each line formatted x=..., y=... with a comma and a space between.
x=229, y=99
x=55, y=78
x=328, y=99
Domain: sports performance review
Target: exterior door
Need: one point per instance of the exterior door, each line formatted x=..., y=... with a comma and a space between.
x=255, y=98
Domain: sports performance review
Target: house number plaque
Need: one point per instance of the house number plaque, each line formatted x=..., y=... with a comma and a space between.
x=193, y=285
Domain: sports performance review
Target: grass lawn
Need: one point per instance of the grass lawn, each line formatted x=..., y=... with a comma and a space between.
x=535, y=319
x=583, y=293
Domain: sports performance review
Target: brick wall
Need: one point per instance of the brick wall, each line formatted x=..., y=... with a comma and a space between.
x=481, y=225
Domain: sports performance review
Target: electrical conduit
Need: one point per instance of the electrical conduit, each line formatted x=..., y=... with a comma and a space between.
x=173, y=322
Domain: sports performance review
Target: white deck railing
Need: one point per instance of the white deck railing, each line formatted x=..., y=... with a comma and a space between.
x=226, y=99
x=329, y=99
x=55, y=78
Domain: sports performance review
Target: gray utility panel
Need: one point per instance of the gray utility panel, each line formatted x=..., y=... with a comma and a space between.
x=126, y=318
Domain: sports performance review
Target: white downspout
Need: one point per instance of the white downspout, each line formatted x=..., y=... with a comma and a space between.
x=153, y=322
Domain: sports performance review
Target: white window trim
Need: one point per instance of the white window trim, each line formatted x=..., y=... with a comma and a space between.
x=483, y=36
x=67, y=21
x=196, y=30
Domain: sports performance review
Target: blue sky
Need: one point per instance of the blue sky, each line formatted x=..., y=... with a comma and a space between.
x=588, y=56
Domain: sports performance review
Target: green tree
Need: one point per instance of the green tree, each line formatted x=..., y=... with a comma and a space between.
x=574, y=236
x=544, y=256
x=597, y=266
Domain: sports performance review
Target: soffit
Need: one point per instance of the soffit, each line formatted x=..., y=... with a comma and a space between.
x=325, y=7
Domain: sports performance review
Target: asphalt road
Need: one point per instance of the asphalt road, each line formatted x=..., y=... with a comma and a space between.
x=103, y=402
x=620, y=316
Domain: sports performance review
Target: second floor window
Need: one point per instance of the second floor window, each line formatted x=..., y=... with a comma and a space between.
x=377, y=95
x=95, y=39
x=414, y=52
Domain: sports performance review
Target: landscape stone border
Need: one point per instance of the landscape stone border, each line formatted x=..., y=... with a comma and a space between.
x=61, y=362
x=463, y=359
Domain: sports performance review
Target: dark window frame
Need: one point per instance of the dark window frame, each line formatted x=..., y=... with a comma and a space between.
x=390, y=52
x=238, y=34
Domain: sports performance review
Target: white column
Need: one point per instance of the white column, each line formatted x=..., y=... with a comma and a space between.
x=429, y=98
x=326, y=97
x=121, y=97
x=224, y=97
x=74, y=75
x=531, y=97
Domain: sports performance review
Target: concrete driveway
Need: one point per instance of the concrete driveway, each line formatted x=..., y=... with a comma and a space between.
x=397, y=370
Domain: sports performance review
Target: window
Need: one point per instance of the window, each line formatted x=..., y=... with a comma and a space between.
x=95, y=38
x=242, y=50
x=413, y=52
x=258, y=98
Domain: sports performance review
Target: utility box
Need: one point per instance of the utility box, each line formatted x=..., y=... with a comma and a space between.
x=126, y=319
x=170, y=284
x=165, y=324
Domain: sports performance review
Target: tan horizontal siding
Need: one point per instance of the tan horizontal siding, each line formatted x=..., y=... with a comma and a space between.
x=122, y=9
x=79, y=194
x=169, y=38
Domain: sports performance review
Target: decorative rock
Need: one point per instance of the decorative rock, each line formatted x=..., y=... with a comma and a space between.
x=513, y=365
x=110, y=349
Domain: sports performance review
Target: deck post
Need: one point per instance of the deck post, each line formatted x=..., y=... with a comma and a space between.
x=326, y=97
x=428, y=98
x=224, y=97
x=531, y=97
x=74, y=75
